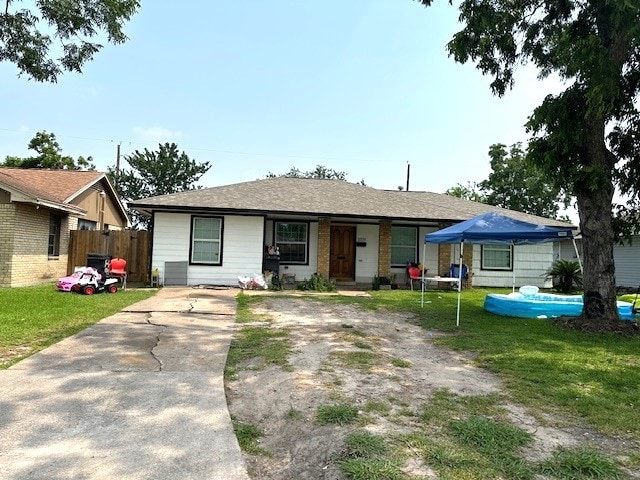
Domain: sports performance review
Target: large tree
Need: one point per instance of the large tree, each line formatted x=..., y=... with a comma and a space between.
x=515, y=183
x=585, y=137
x=154, y=173
x=49, y=155
x=30, y=35
x=518, y=184
x=470, y=191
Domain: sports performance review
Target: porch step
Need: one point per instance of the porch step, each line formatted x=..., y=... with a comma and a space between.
x=345, y=283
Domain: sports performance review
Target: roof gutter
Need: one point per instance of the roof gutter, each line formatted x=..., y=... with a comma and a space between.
x=59, y=206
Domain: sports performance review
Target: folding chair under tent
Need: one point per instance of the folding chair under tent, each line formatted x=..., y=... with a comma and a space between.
x=493, y=228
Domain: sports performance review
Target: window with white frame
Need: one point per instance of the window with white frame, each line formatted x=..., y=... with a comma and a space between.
x=292, y=240
x=206, y=240
x=404, y=245
x=497, y=257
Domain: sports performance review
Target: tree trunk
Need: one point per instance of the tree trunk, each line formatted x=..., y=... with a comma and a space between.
x=600, y=312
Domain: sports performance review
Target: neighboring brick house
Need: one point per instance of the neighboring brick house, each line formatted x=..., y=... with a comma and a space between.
x=340, y=230
x=38, y=208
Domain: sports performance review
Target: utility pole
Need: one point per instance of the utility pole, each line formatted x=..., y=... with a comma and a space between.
x=408, y=170
x=118, y=160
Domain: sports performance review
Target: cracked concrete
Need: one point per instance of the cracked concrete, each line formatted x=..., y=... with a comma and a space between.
x=138, y=395
x=160, y=364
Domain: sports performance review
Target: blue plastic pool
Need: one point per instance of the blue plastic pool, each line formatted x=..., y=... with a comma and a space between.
x=543, y=305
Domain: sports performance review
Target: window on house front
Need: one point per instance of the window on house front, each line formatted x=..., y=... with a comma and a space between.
x=55, y=222
x=497, y=257
x=404, y=245
x=292, y=240
x=206, y=240
x=86, y=224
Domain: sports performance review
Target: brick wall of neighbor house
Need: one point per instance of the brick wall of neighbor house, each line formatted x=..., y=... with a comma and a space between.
x=384, y=248
x=7, y=218
x=31, y=263
x=445, y=259
x=324, y=247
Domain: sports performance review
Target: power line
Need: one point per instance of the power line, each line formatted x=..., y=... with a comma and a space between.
x=217, y=150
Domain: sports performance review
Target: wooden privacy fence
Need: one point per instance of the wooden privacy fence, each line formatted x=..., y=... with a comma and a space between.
x=133, y=246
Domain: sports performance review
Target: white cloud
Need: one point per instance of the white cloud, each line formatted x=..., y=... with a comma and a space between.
x=156, y=134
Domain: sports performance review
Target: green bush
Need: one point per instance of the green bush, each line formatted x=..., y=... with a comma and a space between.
x=566, y=276
x=316, y=284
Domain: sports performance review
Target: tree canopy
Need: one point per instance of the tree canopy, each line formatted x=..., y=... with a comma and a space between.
x=584, y=138
x=518, y=184
x=470, y=191
x=153, y=173
x=319, y=172
x=514, y=183
x=30, y=35
x=49, y=155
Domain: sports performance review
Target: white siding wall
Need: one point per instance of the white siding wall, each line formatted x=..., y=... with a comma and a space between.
x=530, y=262
x=566, y=251
x=367, y=257
x=627, y=261
x=171, y=232
x=242, y=248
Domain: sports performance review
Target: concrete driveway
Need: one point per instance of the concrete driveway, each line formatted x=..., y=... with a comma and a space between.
x=139, y=395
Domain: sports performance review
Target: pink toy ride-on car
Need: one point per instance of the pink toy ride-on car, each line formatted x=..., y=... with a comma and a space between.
x=65, y=284
x=91, y=282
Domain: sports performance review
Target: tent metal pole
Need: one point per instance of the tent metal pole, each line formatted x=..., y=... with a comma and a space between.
x=575, y=247
x=424, y=256
x=459, y=282
x=513, y=268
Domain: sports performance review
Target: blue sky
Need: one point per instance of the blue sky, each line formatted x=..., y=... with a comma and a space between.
x=361, y=86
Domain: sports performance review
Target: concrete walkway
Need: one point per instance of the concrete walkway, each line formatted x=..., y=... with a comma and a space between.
x=139, y=395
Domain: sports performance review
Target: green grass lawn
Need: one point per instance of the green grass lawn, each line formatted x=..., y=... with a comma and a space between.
x=594, y=378
x=32, y=318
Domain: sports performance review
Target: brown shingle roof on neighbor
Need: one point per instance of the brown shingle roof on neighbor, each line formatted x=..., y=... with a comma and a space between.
x=324, y=197
x=53, y=185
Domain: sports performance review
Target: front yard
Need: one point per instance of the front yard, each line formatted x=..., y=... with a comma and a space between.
x=313, y=383
x=32, y=318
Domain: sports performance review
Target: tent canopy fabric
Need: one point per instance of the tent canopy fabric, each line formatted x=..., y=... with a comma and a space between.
x=495, y=228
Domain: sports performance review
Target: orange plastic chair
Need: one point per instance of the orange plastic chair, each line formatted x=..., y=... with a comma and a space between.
x=118, y=268
x=414, y=274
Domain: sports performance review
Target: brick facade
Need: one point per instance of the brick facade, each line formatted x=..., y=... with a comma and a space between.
x=445, y=259
x=324, y=247
x=384, y=249
x=24, y=238
x=7, y=220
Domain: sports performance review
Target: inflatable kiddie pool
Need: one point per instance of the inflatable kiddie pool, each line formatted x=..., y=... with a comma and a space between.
x=529, y=303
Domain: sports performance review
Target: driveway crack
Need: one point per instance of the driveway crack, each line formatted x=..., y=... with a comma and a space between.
x=151, y=352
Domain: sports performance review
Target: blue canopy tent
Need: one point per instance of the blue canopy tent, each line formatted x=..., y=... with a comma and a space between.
x=493, y=228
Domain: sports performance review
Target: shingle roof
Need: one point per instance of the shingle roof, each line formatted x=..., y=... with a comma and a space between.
x=323, y=197
x=58, y=186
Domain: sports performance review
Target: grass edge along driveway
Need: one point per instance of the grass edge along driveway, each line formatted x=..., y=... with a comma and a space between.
x=32, y=318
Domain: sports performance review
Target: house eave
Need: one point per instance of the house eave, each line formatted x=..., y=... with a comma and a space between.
x=147, y=209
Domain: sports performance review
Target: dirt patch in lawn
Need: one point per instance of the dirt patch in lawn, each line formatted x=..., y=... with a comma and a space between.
x=380, y=362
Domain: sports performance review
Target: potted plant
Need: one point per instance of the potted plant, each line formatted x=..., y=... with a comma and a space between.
x=385, y=283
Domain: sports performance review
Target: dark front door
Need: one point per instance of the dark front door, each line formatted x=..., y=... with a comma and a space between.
x=343, y=249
